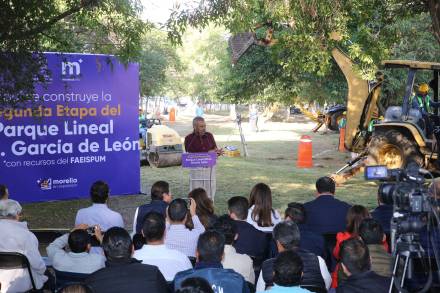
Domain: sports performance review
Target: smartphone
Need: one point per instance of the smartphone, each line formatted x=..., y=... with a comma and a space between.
x=188, y=200
x=91, y=230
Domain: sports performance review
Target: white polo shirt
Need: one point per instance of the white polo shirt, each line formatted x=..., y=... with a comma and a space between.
x=169, y=261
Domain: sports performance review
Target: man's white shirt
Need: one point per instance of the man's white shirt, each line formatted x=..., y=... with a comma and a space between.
x=84, y=263
x=241, y=263
x=169, y=261
x=16, y=237
x=99, y=214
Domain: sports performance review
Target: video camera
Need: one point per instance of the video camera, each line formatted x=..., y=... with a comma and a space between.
x=413, y=210
x=405, y=188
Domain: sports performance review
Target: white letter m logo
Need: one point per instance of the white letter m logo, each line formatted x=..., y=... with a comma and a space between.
x=71, y=68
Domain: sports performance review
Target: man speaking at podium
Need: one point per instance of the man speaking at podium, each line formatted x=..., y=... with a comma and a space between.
x=201, y=141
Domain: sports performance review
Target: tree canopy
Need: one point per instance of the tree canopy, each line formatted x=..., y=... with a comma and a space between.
x=159, y=64
x=295, y=59
x=28, y=28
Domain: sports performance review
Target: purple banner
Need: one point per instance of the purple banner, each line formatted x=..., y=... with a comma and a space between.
x=82, y=127
x=198, y=160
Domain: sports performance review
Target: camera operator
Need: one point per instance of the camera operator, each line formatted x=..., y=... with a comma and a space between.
x=78, y=259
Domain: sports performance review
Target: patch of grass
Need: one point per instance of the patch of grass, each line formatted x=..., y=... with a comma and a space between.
x=274, y=164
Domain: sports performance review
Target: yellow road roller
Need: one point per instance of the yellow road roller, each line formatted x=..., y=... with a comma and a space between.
x=163, y=147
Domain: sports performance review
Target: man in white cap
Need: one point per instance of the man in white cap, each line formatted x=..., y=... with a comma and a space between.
x=16, y=237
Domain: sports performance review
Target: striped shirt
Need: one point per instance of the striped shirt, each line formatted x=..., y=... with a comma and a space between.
x=180, y=238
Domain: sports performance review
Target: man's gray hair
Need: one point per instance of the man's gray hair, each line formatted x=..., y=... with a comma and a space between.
x=287, y=234
x=197, y=119
x=9, y=208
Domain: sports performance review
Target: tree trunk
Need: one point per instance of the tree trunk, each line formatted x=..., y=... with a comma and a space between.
x=434, y=10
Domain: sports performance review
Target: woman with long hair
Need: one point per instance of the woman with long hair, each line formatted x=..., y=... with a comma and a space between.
x=205, y=208
x=355, y=215
x=261, y=214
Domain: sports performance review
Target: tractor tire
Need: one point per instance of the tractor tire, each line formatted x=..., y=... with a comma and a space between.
x=394, y=149
x=334, y=120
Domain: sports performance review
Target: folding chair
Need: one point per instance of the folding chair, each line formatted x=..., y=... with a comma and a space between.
x=64, y=279
x=15, y=260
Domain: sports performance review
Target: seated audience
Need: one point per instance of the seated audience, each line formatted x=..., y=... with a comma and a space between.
x=195, y=285
x=356, y=214
x=205, y=208
x=326, y=214
x=4, y=193
x=261, y=214
x=310, y=240
x=241, y=263
x=177, y=235
x=99, y=213
x=16, y=237
x=250, y=241
x=355, y=261
x=210, y=251
x=122, y=273
x=160, y=198
x=154, y=252
x=287, y=273
x=287, y=237
x=78, y=259
x=383, y=214
x=372, y=234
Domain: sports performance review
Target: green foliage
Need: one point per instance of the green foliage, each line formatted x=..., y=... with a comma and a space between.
x=256, y=77
x=30, y=27
x=205, y=59
x=299, y=62
x=159, y=64
x=414, y=42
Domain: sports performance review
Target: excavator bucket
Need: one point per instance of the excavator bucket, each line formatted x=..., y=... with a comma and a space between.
x=357, y=97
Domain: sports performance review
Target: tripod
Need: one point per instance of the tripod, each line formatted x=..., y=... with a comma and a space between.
x=243, y=141
x=407, y=248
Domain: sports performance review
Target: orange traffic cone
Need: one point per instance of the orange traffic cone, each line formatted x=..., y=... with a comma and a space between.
x=341, y=146
x=305, y=152
x=172, y=114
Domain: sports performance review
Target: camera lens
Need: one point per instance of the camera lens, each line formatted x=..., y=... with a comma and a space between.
x=386, y=191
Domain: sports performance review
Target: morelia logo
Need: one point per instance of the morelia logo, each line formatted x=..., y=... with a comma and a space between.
x=71, y=70
x=45, y=183
x=49, y=183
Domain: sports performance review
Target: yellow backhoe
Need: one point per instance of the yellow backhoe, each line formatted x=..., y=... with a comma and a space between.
x=401, y=136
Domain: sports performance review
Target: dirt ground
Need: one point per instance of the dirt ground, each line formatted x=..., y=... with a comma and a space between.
x=272, y=159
